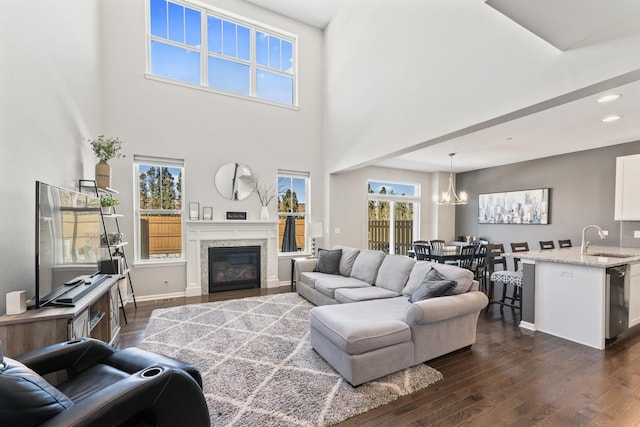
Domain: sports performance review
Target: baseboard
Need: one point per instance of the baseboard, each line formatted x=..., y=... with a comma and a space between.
x=157, y=297
x=528, y=326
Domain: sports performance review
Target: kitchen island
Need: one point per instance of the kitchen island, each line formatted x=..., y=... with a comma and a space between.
x=570, y=295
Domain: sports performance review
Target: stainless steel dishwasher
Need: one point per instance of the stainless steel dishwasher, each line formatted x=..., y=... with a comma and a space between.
x=617, y=296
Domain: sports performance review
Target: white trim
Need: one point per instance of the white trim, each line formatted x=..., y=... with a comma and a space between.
x=528, y=326
x=162, y=162
x=157, y=297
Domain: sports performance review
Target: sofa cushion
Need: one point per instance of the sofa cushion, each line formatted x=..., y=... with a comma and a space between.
x=309, y=278
x=394, y=272
x=462, y=276
x=328, y=284
x=329, y=261
x=347, y=295
x=430, y=288
x=366, y=265
x=349, y=256
x=362, y=327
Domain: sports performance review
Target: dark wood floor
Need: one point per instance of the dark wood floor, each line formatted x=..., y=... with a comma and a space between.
x=509, y=377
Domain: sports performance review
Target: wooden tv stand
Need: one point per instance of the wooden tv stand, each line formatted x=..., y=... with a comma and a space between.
x=95, y=315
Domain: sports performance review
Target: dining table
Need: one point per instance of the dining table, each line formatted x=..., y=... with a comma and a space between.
x=444, y=254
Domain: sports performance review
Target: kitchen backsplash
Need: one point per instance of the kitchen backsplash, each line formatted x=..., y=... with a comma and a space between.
x=627, y=228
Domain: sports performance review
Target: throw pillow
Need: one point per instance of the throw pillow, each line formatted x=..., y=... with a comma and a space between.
x=431, y=289
x=329, y=261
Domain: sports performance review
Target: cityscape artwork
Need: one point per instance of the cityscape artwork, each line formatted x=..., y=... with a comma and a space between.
x=514, y=207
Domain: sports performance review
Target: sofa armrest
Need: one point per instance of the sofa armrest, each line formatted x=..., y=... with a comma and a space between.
x=443, y=308
x=77, y=355
x=303, y=265
x=150, y=396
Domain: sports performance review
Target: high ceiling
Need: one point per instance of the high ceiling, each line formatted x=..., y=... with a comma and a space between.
x=568, y=123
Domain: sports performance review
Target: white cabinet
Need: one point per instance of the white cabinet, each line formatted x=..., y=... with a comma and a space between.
x=627, y=204
x=634, y=295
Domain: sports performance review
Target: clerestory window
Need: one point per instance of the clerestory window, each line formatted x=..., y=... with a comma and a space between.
x=207, y=48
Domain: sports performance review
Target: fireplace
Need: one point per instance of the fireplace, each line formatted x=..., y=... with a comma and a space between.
x=234, y=267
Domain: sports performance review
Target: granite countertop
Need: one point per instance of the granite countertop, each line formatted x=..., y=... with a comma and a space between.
x=573, y=256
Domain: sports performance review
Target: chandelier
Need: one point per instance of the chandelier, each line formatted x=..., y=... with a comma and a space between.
x=450, y=197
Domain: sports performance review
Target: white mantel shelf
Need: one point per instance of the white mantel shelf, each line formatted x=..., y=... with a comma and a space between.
x=225, y=231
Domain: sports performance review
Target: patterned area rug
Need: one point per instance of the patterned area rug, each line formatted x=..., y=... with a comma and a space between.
x=259, y=369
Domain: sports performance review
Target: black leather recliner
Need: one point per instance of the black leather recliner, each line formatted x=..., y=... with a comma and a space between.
x=101, y=386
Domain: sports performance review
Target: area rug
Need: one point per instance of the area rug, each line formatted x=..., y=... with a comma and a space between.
x=259, y=369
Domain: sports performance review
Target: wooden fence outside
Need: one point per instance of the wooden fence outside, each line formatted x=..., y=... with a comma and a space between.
x=300, y=237
x=163, y=235
x=160, y=235
x=379, y=235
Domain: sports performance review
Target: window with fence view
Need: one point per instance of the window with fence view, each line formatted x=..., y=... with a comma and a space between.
x=159, y=211
x=392, y=213
x=292, y=212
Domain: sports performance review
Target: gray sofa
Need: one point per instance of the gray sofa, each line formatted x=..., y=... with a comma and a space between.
x=366, y=327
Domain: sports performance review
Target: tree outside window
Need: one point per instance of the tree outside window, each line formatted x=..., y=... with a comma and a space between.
x=391, y=213
x=293, y=209
x=159, y=212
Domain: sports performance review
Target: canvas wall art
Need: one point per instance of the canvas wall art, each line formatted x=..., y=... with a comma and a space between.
x=514, y=207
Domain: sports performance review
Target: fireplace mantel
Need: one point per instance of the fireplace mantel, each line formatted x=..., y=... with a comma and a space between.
x=224, y=232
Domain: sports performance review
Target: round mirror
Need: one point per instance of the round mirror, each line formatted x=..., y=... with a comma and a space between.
x=232, y=181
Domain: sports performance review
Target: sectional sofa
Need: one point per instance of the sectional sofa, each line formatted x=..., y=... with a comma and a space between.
x=367, y=323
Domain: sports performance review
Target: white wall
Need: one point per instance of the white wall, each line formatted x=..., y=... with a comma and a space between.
x=400, y=73
x=50, y=75
x=348, y=204
x=205, y=129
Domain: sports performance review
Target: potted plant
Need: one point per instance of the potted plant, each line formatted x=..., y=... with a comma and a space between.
x=108, y=202
x=105, y=148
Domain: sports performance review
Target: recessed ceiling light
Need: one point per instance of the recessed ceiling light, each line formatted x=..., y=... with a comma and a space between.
x=609, y=97
x=611, y=118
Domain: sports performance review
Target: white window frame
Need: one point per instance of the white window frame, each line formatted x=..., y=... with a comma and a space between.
x=393, y=199
x=254, y=27
x=307, y=209
x=162, y=162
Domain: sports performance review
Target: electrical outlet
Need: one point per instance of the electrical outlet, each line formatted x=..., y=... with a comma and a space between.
x=636, y=234
x=337, y=230
x=605, y=233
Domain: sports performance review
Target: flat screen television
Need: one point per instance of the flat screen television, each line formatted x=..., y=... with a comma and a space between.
x=68, y=225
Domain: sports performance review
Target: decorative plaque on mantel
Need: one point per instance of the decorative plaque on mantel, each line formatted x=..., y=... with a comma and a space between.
x=237, y=215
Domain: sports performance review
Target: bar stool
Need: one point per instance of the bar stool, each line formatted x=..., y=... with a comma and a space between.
x=565, y=243
x=514, y=280
x=493, y=259
x=546, y=244
x=505, y=277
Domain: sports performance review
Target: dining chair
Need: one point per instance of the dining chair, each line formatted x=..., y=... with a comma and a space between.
x=479, y=266
x=547, y=244
x=422, y=251
x=467, y=254
x=565, y=243
x=437, y=244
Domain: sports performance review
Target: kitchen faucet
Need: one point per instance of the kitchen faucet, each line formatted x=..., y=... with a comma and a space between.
x=585, y=244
